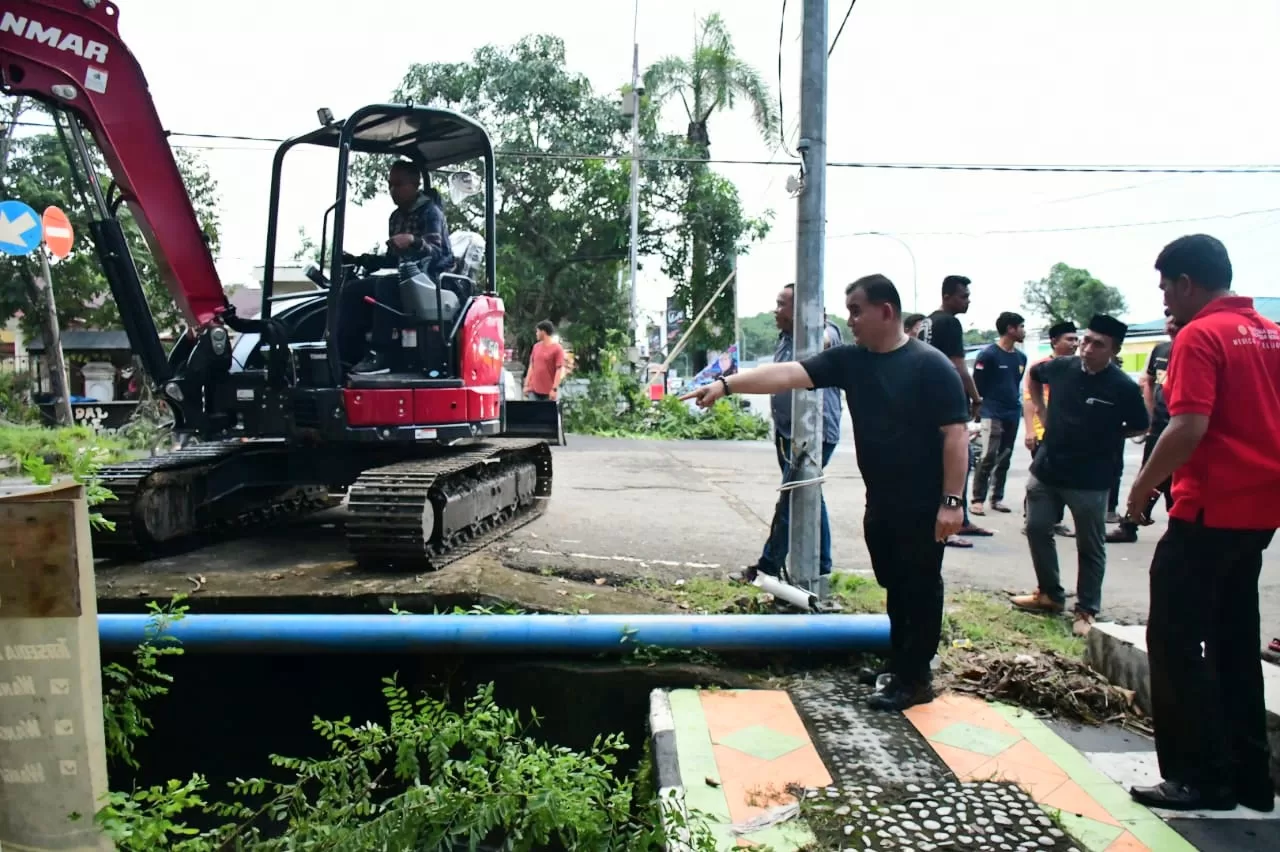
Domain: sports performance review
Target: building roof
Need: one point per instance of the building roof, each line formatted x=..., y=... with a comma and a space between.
x=82, y=340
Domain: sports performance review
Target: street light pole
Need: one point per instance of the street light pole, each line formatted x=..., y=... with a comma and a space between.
x=810, y=315
x=915, y=290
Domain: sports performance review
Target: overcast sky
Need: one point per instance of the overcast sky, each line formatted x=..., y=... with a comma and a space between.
x=1158, y=82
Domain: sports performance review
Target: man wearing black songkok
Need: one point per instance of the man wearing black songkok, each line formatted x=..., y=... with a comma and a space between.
x=1094, y=404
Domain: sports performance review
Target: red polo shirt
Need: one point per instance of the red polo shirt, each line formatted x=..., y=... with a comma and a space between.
x=1226, y=364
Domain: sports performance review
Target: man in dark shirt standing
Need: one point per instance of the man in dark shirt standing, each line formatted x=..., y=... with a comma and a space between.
x=942, y=331
x=1222, y=448
x=909, y=426
x=1094, y=405
x=1158, y=411
x=997, y=373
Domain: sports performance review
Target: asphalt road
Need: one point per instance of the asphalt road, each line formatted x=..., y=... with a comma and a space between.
x=672, y=510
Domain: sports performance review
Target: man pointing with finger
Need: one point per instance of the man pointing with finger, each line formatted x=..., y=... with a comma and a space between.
x=909, y=411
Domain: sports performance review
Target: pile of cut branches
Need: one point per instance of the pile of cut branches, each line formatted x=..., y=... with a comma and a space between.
x=1046, y=681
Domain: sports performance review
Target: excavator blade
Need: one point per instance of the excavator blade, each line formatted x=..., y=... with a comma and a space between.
x=534, y=419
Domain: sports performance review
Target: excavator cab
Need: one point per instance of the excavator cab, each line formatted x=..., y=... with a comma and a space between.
x=446, y=377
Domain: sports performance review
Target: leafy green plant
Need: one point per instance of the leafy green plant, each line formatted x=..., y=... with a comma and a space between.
x=58, y=447
x=127, y=689
x=614, y=406
x=430, y=779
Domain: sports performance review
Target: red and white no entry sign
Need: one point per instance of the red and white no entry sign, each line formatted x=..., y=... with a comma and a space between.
x=58, y=235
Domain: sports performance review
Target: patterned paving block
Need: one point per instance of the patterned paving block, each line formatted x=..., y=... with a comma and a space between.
x=860, y=745
x=951, y=815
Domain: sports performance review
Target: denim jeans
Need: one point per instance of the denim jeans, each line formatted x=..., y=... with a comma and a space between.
x=1089, y=512
x=779, y=541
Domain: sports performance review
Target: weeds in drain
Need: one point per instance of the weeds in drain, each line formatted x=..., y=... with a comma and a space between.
x=651, y=655
x=126, y=690
x=430, y=778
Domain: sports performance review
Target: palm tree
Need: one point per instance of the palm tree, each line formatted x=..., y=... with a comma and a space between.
x=712, y=79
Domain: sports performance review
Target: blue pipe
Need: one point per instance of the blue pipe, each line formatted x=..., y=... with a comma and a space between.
x=277, y=633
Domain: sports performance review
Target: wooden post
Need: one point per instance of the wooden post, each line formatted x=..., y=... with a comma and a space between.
x=59, y=378
x=53, y=763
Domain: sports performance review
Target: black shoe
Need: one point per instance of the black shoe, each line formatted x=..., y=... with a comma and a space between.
x=1176, y=796
x=373, y=365
x=869, y=676
x=899, y=695
x=1124, y=535
x=1261, y=799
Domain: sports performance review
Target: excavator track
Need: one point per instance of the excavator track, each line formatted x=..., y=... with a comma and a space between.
x=423, y=514
x=158, y=501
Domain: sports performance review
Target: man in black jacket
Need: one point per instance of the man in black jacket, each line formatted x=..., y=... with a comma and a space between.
x=416, y=232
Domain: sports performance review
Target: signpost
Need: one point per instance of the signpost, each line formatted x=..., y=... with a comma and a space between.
x=20, y=230
x=21, y=233
x=58, y=235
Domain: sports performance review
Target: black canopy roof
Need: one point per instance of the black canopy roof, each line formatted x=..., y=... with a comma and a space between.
x=437, y=137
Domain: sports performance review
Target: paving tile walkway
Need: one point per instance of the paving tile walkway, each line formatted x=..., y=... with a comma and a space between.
x=985, y=742
x=995, y=777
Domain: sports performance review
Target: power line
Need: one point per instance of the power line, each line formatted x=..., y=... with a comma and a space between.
x=836, y=40
x=1055, y=230
x=790, y=164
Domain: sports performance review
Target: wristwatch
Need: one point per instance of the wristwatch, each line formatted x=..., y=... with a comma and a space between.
x=951, y=501
x=727, y=390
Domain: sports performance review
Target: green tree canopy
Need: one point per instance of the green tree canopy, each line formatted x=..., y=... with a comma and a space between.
x=38, y=172
x=1067, y=293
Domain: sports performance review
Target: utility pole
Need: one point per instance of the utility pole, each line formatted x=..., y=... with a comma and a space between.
x=637, y=331
x=810, y=313
x=58, y=376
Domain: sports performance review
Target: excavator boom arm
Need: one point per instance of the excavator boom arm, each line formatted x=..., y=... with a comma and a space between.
x=68, y=53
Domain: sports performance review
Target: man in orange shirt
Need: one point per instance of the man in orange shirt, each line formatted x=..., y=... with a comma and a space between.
x=1222, y=447
x=546, y=365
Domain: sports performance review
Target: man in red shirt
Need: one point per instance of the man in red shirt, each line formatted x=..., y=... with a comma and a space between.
x=546, y=365
x=1222, y=447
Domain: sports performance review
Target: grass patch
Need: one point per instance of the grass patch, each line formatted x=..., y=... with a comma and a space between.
x=986, y=623
x=703, y=594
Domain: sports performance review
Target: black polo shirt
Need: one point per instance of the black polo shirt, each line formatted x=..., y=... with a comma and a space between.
x=899, y=401
x=1157, y=368
x=1089, y=414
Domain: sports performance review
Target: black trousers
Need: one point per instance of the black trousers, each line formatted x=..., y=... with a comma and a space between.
x=1208, y=710
x=907, y=562
x=1113, y=496
x=998, y=438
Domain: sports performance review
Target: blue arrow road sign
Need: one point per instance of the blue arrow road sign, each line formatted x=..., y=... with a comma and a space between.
x=20, y=230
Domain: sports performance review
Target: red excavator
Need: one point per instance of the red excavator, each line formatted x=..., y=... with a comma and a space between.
x=434, y=460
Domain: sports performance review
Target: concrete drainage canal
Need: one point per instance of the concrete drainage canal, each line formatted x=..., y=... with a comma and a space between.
x=457, y=751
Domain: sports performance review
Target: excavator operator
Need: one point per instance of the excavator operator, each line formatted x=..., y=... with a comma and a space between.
x=417, y=232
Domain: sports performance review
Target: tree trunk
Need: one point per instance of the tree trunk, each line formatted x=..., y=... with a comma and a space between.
x=59, y=380
x=6, y=143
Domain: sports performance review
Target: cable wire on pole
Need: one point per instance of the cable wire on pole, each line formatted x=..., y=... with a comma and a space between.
x=836, y=40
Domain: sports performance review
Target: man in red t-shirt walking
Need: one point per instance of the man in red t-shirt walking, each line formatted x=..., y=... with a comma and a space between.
x=1222, y=447
x=546, y=365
